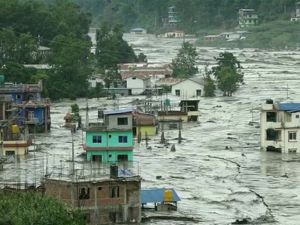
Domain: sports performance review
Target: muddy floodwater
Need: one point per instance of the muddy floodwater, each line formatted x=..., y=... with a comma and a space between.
x=218, y=170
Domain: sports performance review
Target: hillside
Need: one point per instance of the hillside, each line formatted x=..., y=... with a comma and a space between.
x=193, y=14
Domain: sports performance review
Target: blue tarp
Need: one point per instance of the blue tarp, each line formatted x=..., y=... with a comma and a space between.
x=289, y=107
x=125, y=173
x=156, y=195
x=120, y=111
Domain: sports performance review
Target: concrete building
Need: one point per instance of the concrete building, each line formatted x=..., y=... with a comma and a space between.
x=247, y=18
x=191, y=108
x=137, y=85
x=141, y=77
x=103, y=198
x=144, y=124
x=280, y=130
x=111, y=141
x=188, y=88
x=33, y=110
x=296, y=17
x=173, y=19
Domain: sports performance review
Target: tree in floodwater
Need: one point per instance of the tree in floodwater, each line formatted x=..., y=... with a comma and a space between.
x=184, y=65
x=34, y=208
x=227, y=73
x=112, y=50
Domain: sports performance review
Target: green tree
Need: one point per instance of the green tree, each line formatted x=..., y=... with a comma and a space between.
x=111, y=51
x=70, y=62
x=34, y=208
x=184, y=65
x=227, y=73
x=209, y=86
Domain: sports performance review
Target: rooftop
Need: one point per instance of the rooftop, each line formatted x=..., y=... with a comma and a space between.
x=289, y=107
x=158, y=195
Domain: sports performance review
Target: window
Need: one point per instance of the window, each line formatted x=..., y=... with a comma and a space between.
x=122, y=157
x=271, y=116
x=198, y=92
x=123, y=139
x=292, y=150
x=123, y=121
x=97, y=158
x=30, y=115
x=84, y=193
x=114, y=192
x=292, y=136
x=97, y=139
x=297, y=116
x=273, y=135
x=177, y=92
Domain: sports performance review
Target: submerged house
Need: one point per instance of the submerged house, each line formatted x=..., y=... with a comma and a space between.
x=15, y=139
x=141, y=78
x=144, y=124
x=111, y=140
x=280, y=129
x=188, y=88
x=163, y=199
x=108, y=198
x=191, y=108
x=33, y=110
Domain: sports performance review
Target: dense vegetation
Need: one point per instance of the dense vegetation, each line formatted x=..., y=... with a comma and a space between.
x=194, y=14
x=34, y=208
x=184, y=65
x=62, y=27
x=227, y=74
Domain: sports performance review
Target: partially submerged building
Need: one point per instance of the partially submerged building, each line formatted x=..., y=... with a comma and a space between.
x=280, y=129
x=191, y=107
x=144, y=124
x=161, y=198
x=188, y=88
x=247, y=18
x=107, y=198
x=15, y=139
x=111, y=140
x=33, y=110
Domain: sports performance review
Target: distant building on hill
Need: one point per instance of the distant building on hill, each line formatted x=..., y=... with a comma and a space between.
x=296, y=16
x=247, y=18
x=172, y=16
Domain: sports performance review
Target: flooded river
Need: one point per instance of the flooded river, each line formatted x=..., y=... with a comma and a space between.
x=218, y=170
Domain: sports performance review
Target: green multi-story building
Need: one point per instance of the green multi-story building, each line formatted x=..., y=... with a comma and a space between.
x=112, y=140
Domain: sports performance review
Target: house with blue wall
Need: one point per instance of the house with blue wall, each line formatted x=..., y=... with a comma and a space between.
x=111, y=140
x=33, y=111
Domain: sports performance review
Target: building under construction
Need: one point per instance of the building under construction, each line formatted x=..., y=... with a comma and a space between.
x=107, y=198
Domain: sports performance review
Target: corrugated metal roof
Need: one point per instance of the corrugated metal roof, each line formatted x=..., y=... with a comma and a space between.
x=120, y=111
x=289, y=107
x=157, y=195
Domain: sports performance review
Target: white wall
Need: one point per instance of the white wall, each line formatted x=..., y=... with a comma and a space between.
x=187, y=89
x=285, y=127
x=136, y=85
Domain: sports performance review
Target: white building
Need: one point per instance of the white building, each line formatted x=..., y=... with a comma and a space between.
x=188, y=88
x=137, y=85
x=96, y=79
x=280, y=127
x=153, y=71
x=297, y=14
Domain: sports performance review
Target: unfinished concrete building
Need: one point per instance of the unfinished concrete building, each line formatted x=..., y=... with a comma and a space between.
x=105, y=199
